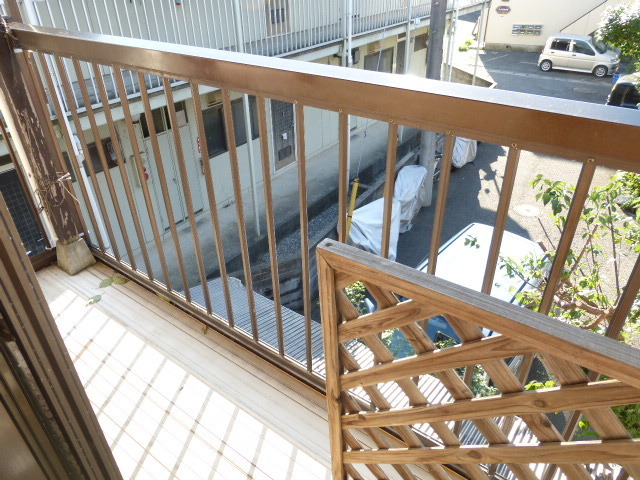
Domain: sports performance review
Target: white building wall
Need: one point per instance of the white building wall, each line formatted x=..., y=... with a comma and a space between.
x=552, y=15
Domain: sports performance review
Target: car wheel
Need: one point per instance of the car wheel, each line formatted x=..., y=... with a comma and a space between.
x=600, y=71
x=545, y=65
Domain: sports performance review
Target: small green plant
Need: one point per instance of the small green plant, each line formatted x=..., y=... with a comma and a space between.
x=471, y=241
x=535, y=385
x=356, y=293
x=480, y=381
x=465, y=46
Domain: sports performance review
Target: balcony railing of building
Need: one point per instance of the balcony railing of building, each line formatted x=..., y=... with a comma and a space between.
x=123, y=224
x=516, y=438
x=264, y=27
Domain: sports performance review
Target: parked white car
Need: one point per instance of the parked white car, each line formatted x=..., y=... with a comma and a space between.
x=578, y=53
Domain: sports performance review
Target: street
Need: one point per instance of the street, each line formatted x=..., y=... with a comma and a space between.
x=474, y=189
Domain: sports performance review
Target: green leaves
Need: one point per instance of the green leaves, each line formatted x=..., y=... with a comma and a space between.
x=94, y=299
x=107, y=282
x=620, y=27
x=471, y=241
x=534, y=385
x=116, y=279
x=356, y=293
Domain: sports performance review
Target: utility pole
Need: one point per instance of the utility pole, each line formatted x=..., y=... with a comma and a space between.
x=437, y=23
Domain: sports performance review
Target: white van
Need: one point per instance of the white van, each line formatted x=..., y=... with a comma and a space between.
x=578, y=53
x=462, y=260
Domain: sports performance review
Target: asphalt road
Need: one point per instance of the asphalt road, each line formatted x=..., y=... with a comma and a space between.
x=474, y=189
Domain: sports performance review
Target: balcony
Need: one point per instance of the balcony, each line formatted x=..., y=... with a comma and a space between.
x=234, y=383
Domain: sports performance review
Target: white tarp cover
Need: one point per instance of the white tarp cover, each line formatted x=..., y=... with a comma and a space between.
x=411, y=192
x=464, y=151
x=366, y=227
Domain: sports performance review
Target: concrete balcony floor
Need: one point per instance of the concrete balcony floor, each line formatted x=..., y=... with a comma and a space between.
x=175, y=403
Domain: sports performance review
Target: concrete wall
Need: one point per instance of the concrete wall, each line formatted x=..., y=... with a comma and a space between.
x=553, y=15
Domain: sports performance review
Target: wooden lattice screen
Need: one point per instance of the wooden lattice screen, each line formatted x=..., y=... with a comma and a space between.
x=418, y=417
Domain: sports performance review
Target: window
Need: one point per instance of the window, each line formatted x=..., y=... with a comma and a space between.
x=5, y=160
x=583, y=47
x=161, y=119
x=420, y=42
x=400, y=58
x=380, y=61
x=214, y=126
x=239, y=128
x=277, y=16
x=214, y=131
x=559, y=44
x=94, y=156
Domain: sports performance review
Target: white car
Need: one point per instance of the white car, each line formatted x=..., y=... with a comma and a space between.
x=462, y=260
x=578, y=53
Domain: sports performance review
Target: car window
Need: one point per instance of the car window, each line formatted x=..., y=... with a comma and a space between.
x=559, y=44
x=580, y=46
x=600, y=46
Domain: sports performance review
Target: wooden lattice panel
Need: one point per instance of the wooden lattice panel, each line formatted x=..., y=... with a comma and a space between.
x=393, y=417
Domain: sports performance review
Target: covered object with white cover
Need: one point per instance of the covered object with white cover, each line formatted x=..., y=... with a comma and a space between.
x=366, y=227
x=464, y=151
x=411, y=192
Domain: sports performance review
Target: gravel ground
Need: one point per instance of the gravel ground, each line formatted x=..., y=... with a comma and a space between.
x=290, y=244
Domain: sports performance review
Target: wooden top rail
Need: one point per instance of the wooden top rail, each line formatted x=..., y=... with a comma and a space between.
x=546, y=125
x=541, y=332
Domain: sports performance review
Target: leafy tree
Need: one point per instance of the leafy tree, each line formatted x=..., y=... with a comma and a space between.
x=591, y=283
x=620, y=27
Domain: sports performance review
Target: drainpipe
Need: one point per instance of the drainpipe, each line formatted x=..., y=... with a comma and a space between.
x=247, y=123
x=434, y=70
x=480, y=32
x=407, y=60
x=452, y=33
x=347, y=62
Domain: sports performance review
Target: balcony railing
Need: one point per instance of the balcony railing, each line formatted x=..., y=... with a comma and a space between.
x=124, y=214
x=132, y=223
x=514, y=432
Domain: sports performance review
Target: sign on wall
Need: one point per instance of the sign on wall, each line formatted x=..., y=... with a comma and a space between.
x=503, y=9
x=526, y=30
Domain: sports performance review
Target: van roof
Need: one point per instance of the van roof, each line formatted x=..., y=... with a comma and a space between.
x=465, y=265
x=571, y=36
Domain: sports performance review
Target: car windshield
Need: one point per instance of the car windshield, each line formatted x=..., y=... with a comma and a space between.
x=599, y=45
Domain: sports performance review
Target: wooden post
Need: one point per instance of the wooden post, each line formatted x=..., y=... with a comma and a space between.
x=28, y=122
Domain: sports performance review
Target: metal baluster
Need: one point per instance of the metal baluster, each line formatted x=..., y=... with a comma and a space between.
x=213, y=206
x=143, y=183
x=163, y=185
x=304, y=228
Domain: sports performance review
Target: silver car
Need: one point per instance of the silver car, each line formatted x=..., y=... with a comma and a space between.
x=578, y=53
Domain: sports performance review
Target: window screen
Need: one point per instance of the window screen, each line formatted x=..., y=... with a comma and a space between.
x=214, y=125
x=420, y=42
x=380, y=61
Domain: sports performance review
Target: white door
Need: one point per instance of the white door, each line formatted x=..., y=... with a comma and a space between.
x=169, y=164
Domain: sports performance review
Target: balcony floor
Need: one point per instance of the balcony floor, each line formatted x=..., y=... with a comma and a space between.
x=175, y=403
